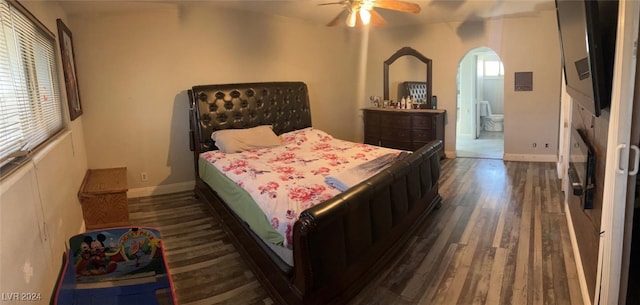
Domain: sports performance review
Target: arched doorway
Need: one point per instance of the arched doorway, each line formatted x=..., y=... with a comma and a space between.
x=480, y=105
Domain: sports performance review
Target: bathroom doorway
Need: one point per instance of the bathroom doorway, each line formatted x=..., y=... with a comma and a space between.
x=480, y=105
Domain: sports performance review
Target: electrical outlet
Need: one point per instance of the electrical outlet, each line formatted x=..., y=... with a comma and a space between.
x=535, y=145
x=144, y=177
x=546, y=145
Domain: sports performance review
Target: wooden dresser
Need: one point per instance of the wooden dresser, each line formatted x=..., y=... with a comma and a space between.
x=407, y=129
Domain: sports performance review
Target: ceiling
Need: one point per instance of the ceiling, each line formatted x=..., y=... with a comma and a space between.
x=433, y=11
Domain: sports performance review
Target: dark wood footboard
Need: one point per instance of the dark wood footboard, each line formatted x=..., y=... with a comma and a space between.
x=340, y=244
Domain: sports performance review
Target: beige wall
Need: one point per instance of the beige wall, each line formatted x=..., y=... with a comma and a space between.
x=134, y=69
x=39, y=209
x=524, y=44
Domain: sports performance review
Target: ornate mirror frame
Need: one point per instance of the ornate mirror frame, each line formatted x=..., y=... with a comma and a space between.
x=404, y=52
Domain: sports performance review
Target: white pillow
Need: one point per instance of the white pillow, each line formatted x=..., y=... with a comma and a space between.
x=237, y=140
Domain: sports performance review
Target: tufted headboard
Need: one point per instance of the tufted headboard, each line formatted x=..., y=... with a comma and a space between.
x=284, y=105
x=417, y=90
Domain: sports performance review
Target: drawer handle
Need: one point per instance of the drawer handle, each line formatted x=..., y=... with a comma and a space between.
x=636, y=160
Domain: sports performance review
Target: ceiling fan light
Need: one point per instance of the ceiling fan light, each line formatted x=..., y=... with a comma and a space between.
x=365, y=15
x=351, y=19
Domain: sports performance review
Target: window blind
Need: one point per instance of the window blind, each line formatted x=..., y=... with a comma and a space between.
x=30, y=109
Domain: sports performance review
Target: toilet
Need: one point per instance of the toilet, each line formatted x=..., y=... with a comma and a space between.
x=490, y=121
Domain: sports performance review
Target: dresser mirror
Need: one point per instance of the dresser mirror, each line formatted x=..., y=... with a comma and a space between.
x=409, y=57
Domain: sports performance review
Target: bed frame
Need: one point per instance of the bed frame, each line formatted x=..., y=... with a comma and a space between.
x=338, y=245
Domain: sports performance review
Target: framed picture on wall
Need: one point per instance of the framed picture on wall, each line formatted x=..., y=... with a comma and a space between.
x=69, y=67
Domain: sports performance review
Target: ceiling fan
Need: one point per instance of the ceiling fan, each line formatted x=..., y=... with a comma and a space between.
x=361, y=12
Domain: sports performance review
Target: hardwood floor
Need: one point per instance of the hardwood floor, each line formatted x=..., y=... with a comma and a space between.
x=500, y=237
x=204, y=265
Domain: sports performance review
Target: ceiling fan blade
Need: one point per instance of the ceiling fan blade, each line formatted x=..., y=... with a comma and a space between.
x=332, y=3
x=376, y=19
x=397, y=5
x=338, y=19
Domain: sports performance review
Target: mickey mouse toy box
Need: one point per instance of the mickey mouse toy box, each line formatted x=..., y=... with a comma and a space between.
x=115, y=266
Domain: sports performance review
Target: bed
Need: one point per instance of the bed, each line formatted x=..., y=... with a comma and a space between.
x=337, y=245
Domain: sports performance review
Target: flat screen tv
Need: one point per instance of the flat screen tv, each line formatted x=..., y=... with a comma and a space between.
x=582, y=163
x=587, y=39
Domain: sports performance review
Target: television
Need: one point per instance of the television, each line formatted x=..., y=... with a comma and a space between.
x=587, y=38
x=582, y=163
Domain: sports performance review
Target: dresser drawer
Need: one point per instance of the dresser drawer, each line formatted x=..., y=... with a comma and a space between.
x=397, y=144
x=371, y=118
x=396, y=134
x=395, y=121
x=371, y=130
x=372, y=140
x=422, y=122
x=423, y=135
x=418, y=144
x=370, y=126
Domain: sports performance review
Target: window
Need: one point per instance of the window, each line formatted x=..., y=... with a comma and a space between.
x=30, y=109
x=490, y=68
x=493, y=68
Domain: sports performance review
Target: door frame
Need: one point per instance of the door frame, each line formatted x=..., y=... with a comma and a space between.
x=610, y=259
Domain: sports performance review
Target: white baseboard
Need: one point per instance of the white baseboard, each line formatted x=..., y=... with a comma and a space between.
x=451, y=154
x=530, y=158
x=161, y=189
x=576, y=254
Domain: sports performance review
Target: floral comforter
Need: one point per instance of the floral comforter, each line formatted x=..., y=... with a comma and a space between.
x=288, y=179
